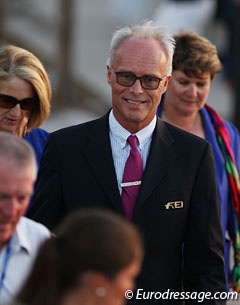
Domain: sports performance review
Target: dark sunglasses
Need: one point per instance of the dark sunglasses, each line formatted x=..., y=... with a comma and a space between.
x=8, y=102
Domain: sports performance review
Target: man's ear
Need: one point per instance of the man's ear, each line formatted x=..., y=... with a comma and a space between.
x=109, y=74
x=166, y=81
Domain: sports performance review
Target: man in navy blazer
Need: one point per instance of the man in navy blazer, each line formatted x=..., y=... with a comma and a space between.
x=177, y=205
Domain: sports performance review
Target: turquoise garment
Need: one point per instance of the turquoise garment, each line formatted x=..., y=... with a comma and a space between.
x=37, y=138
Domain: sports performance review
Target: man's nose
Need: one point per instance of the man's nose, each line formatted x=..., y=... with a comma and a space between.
x=10, y=208
x=136, y=88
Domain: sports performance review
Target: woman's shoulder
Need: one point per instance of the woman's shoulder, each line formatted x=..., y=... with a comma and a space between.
x=37, y=133
x=234, y=138
x=232, y=128
x=37, y=138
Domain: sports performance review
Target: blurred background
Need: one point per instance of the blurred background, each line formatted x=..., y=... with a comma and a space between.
x=72, y=37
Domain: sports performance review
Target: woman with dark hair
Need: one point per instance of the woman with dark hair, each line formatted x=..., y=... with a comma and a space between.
x=195, y=63
x=93, y=259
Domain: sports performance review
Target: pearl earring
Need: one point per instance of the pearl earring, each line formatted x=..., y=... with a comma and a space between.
x=101, y=292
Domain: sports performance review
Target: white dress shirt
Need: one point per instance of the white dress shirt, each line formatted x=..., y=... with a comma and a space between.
x=120, y=147
x=24, y=244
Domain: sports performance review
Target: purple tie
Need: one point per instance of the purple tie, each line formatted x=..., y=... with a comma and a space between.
x=131, y=177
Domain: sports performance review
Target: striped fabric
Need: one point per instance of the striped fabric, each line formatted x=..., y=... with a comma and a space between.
x=234, y=183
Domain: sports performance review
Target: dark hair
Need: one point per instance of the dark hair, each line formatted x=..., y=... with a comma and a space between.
x=195, y=55
x=88, y=240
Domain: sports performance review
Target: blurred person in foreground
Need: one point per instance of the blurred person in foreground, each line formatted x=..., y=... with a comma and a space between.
x=154, y=174
x=93, y=260
x=25, y=96
x=195, y=63
x=20, y=237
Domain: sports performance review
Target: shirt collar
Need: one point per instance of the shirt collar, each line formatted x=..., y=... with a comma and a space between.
x=19, y=238
x=121, y=134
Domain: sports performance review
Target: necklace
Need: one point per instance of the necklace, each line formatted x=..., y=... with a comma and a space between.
x=164, y=113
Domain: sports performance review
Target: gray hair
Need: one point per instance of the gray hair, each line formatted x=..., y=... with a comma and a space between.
x=146, y=30
x=17, y=150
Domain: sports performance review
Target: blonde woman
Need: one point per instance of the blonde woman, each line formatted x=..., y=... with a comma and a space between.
x=25, y=96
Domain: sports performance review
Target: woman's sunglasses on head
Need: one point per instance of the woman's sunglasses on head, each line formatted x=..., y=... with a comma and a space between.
x=8, y=102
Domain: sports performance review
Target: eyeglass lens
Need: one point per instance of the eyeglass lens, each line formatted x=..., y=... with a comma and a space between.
x=8, y=102
x=147, y=81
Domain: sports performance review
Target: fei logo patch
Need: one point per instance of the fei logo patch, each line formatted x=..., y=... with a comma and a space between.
x=174, y=205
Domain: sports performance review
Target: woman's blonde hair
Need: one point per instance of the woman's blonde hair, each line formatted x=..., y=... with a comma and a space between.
x=15, y=61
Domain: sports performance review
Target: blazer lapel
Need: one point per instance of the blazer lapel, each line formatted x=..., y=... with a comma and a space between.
x=99, y=155
x=161, y=155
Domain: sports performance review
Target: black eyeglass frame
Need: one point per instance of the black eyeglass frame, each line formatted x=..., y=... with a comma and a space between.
x=27, y=103
x=140, y=78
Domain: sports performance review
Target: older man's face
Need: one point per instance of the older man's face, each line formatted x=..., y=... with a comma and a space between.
x=16, y=186
x=134, y=106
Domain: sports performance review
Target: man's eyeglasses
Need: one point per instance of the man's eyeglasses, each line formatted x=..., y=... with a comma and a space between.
x=8, y=102
x=127, y=79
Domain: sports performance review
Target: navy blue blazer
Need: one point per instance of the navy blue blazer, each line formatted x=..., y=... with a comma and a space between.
x=177, y=208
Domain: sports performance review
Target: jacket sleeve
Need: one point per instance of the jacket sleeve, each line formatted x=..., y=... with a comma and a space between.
x=47, y=204
x=203, y=247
